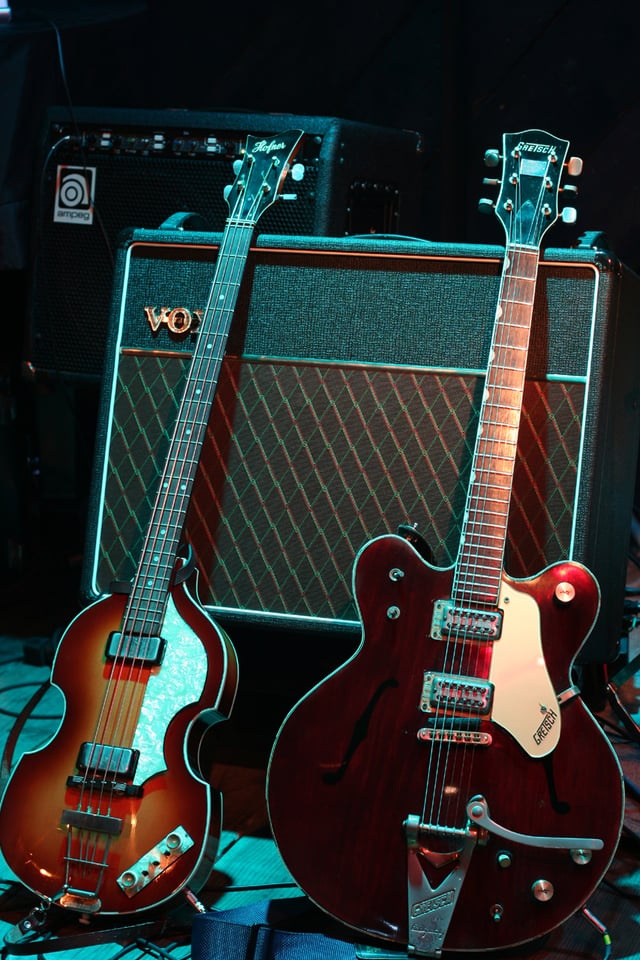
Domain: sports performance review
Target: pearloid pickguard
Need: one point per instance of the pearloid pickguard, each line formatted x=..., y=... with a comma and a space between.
x=179, y=681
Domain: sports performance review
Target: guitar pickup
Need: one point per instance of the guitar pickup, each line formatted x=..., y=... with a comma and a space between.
x=147, y=651
x=100, y=758
x=464, y=623
x=441, y=691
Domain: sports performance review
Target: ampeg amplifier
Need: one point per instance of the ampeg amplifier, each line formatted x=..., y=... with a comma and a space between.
x=347, y=405
x=105, y=171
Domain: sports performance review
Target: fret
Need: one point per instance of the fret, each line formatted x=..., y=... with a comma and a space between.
x=523, y=303
x=255, y=189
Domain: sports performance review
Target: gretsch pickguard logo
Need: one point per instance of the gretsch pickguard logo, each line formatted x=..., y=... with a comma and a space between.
x=178, y=320
x=545, y=727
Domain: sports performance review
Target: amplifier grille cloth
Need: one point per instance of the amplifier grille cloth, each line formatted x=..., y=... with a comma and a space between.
x=305, y=462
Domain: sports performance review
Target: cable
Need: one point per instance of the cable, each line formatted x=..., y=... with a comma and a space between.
x=602, y=929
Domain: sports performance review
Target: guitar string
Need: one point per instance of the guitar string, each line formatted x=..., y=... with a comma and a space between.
x=497, y=444
x=236, y=229
x=509, y=369
x=101, y=742
x=478, y=505
x=150, y=591
x=455, y=643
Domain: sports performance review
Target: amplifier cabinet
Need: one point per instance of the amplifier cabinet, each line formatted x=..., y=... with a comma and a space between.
x=105, y=171
x=347, y=405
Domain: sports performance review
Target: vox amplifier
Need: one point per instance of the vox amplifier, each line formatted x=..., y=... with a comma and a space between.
x=105, y=171
x=347, y=405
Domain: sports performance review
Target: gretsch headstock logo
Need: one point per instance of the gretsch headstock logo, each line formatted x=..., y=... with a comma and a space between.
x=525, y=147
x=178, y=320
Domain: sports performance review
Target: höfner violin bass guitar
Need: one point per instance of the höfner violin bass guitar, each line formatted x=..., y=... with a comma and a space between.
x=115, y=815
x=447, y=788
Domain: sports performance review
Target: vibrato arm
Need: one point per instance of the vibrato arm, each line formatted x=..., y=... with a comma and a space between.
x=478, y=813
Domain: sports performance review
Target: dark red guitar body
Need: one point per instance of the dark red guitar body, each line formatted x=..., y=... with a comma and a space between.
x=347, y=769
x=35, y=840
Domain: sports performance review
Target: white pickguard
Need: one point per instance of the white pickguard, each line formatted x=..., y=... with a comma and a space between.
x=179, y=681
x=524, y=701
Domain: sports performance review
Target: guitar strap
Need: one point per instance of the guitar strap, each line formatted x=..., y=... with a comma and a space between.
x=287, y=929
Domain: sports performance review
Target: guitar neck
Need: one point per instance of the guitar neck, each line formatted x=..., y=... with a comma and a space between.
x=151, y=584
x=484, y=529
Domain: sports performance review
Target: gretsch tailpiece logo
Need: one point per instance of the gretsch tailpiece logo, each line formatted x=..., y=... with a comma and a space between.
x=433, y=904
x=178, y=320
x=525, y=147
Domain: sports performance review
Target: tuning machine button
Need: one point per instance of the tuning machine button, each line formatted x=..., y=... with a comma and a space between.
x=574, y=166
x=569, y=215
x=492, y=158
x=485, y=205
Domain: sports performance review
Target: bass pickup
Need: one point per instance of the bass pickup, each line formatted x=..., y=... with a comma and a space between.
x=147, y=651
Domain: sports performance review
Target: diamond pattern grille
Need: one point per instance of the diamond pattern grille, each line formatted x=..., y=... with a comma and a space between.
x=305, y=462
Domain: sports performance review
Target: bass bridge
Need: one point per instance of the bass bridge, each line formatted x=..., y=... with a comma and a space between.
x=431, y=907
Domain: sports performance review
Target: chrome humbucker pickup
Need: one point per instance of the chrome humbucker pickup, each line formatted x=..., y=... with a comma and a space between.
x=441, y=691
x=463, y=623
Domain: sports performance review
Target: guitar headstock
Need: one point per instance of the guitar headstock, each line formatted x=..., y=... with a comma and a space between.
x=533, y=162
x=261, y=174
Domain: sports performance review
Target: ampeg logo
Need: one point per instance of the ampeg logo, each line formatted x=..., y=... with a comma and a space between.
x=75, y=194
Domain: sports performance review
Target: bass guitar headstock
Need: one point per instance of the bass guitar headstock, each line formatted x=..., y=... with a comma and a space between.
x=260, y=174
x=533, y=163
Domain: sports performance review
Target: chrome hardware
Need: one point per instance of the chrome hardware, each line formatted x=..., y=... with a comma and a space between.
x=155, y=862
x=542, y=890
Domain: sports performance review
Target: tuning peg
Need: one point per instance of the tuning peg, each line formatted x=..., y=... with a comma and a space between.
x=237, y=167
x=491, y=182
x=569, y=215
x=486, y=206
x=574, y=166
x=492, y=158
x=227, y=190
x=569, y=188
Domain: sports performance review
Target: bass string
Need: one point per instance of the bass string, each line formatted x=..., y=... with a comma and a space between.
x=123, y=696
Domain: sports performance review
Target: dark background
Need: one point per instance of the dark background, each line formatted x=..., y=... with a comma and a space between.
x=460, y=73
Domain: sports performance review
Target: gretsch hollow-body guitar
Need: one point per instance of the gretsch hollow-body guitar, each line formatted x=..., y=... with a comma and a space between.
x=447, y=788
x=115, y=815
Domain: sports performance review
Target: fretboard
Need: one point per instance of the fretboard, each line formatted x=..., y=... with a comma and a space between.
x=147, y=603
x=480, y=560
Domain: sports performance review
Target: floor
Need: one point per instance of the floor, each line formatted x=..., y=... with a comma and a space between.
x=248, y=868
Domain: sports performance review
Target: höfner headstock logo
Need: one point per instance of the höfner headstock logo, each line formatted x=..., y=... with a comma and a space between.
x=75, y=195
